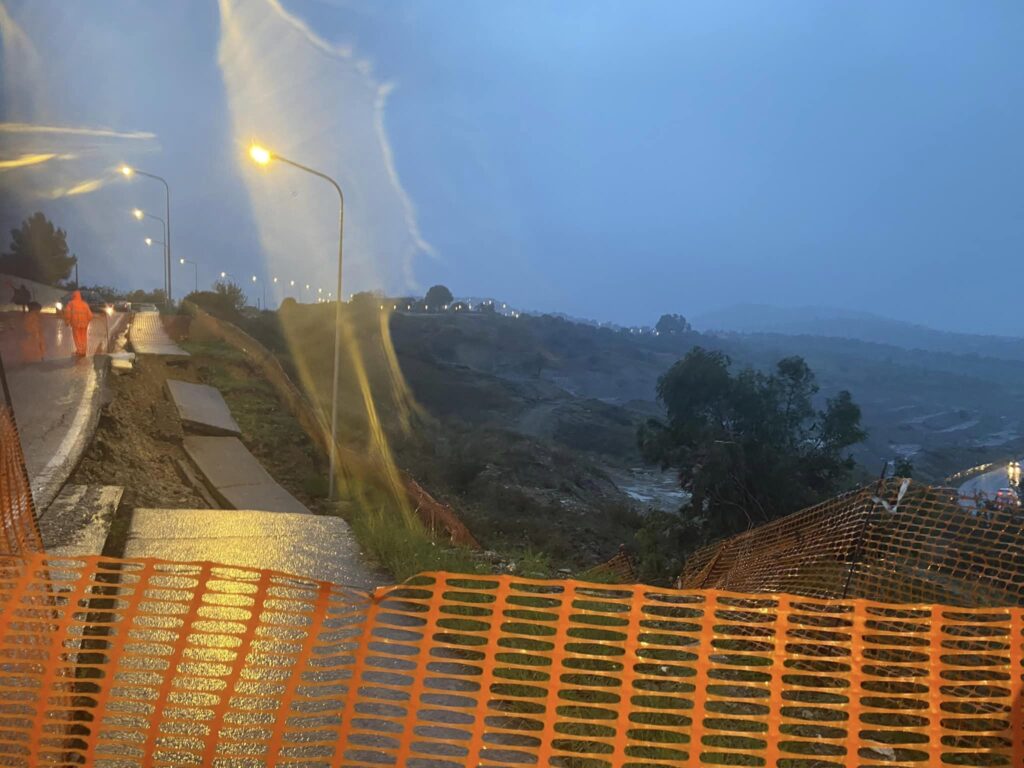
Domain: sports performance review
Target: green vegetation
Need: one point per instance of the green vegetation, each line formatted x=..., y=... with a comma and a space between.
x=527, y=425
x=393, y=539
x=438, y=296
x=39, y=252
x=403, y=547
x=750, y=447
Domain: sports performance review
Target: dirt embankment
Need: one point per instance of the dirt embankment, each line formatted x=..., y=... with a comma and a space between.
x=138, y=439
x=138, y=442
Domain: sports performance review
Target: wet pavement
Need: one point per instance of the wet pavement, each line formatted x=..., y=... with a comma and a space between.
x=148, y=337
x=311, y=546
x=57, y=400
x=237, y=478
x=988, y=483
x=76, y=524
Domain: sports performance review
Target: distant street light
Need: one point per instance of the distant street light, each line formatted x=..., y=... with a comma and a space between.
x=264, y=284
x=195, y=266
x=140, y=214
x=127, y=171
x=263, y=156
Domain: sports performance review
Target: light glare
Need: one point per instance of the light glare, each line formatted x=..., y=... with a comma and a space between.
x=260, y=155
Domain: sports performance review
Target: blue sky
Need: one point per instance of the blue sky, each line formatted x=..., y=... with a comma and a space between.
x=607, y=160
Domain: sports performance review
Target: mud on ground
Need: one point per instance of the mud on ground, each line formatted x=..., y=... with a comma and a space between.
x=138, y=438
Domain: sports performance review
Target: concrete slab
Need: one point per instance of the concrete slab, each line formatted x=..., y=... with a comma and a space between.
x=78, y=520
x=148, y=337
x=311, y=546
x=202, y=408
x=236, y=478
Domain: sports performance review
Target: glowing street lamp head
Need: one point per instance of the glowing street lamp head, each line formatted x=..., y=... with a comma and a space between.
x=138, y=214
x=275, y=279
x=259, y=155
x=181, y=261
x=254, y=278
x=292, y=283
x=223, y=275
x=149, y=241
x=127, y=170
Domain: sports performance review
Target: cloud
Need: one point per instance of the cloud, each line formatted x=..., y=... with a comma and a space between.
x=67, y=130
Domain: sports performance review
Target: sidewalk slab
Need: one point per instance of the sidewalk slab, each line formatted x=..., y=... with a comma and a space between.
x=202, y=408
x=312, y=546
x=77, y=522
x=236, y=478
x=148, y=337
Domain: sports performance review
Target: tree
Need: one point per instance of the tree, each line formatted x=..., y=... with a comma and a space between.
x=749, y=447
x=438, y=296
x=904, y=467
x=38, y=251
x=672, y=324
x=138, y=296
x=232, y=294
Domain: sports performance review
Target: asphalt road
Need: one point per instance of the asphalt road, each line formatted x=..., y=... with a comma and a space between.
x=987, y=483
x=56, y=401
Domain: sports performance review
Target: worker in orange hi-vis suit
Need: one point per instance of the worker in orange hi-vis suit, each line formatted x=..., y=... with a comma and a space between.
x=78, y=315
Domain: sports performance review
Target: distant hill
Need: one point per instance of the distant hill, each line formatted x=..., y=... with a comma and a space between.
x=851, y=324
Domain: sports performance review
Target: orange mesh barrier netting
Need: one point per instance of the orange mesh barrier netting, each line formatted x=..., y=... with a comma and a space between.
x=114, y=663
x=17, y=513
x=928, y=545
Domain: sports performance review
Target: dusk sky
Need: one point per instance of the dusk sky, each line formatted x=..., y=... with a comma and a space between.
x=608, y=160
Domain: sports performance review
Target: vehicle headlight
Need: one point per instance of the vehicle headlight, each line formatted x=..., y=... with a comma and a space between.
x=58, y=305
x=109, y=310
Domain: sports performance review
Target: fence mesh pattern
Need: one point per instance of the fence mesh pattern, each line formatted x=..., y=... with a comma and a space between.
x=130, y=663
x=926, y=545
x=17, y=513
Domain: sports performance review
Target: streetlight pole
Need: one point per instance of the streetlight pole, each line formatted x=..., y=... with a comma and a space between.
x=127, y=170
x=139, y=214
x=263, y=157
x=195, y=266
x=149, y=244
x=263, y=284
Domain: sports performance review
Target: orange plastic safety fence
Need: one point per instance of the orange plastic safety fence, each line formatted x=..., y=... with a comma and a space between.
x=927, y=546
x=17, y=513
x=130, y=663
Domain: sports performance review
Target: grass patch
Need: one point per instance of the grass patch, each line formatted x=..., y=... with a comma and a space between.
x=405, y=548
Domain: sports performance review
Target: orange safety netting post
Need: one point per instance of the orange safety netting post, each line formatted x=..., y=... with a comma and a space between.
x=132, y=663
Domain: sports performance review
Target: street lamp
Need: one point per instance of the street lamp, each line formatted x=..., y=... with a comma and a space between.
x=264, y=284
x=127, y=171
x=140, y=214
x=195, y=266
x=262, y=156
x=149, y=242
